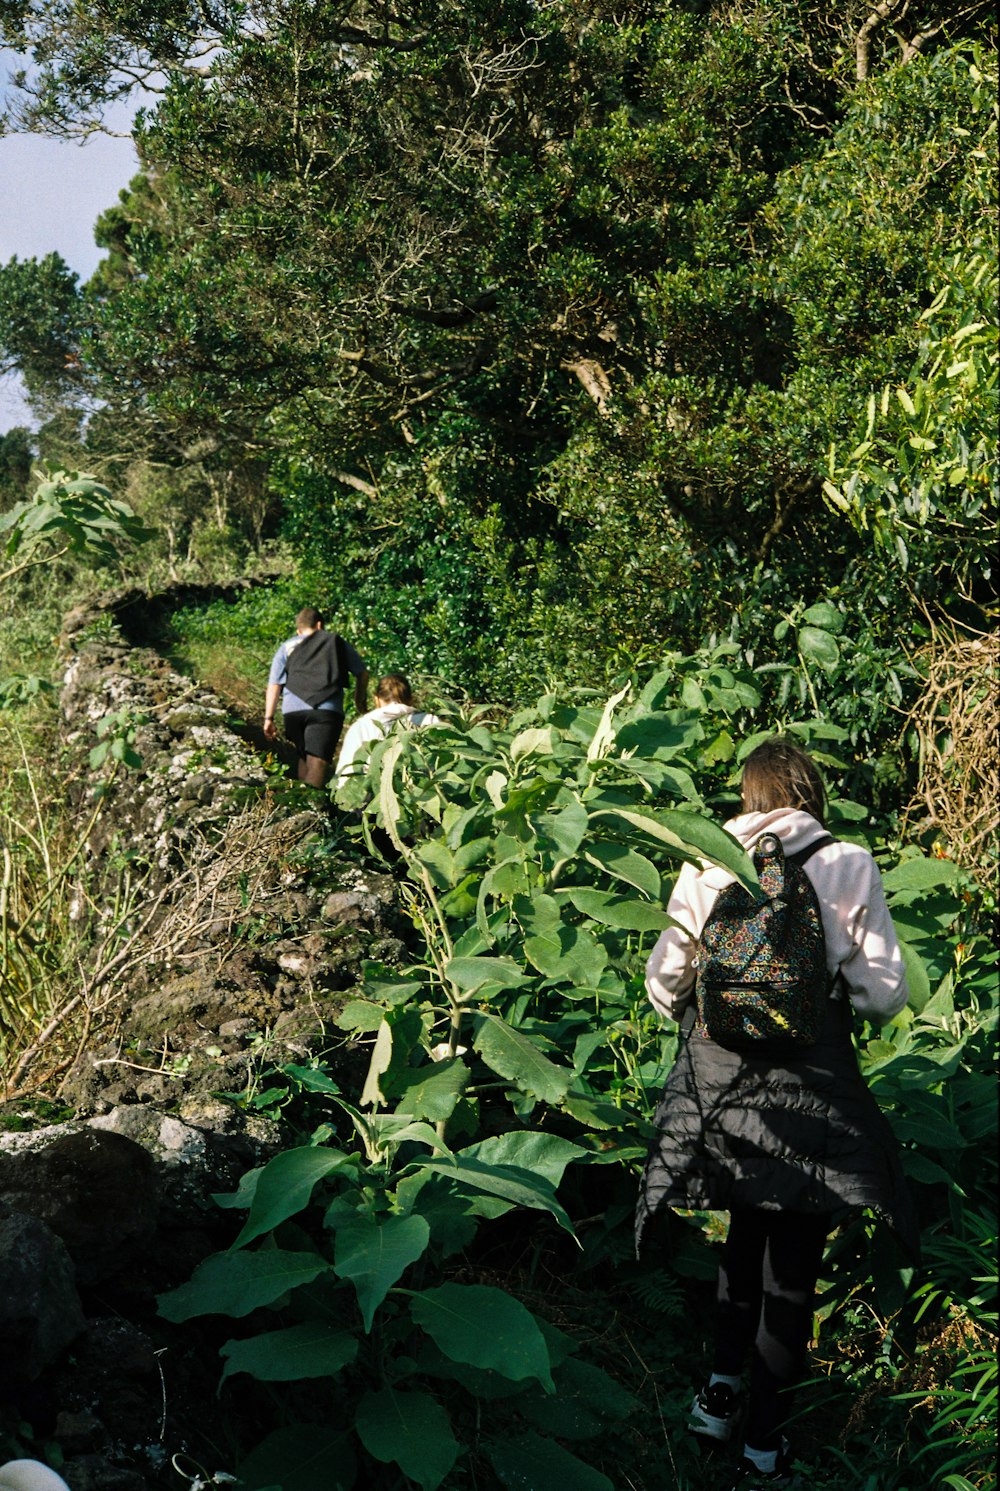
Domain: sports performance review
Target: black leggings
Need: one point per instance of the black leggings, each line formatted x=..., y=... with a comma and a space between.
x=767, y=1279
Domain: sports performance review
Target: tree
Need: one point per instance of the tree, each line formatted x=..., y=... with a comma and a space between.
x=15, y=465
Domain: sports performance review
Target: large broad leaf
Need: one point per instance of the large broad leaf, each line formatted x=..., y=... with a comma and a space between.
x=285, y=1185
x=920, y=874
x=485, y=1327
x=302, y=1457
x=471, y=974
x=531, y=1463
x=515, y=1056
x=360, y=1014
x=567, y=829
x=824, y=615
x=536, y=913
x=410, y=1429
x=534, y=742
x=237, y=1283
x=388, y=802
x=818, y=646
x=509, y=1184
x=569, y=954
x=625, y=864
x=623, y=912
x=430, y=1091
x=526, y=1149
x=315, y=1349
x=917, y=977
x=659, y=737
x=694, y=836
x=373, y=1253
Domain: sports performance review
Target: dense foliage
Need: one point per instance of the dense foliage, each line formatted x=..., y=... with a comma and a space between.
x=536, y=330
x=515, y=1064
x=559, y=351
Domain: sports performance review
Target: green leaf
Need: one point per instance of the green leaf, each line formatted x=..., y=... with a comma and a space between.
x=314, y=1349
x=531, y=1463
x=917, y=977
x=518, y=1187
x=532, y=743
x=921, y=874
x=566, y=829
x=360, y=1014
x=388, y=802
x=693, y=836
x=618, y=911
x=302, y=1457
x=284, y=1187
x=238, y=1283
x=431, y=1091
x=826, y=617
x=471, y=974
x=373, y=1254
x=526, y=1149
x=410, y=1429
x=819, y=646
x=515, y=1056
x=485, y=1327
x=625, y=864
x=570, y=954
x=719, y=750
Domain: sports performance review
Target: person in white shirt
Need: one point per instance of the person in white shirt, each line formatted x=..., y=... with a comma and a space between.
x=393, y=707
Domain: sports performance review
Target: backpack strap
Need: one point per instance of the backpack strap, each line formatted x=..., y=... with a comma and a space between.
x=340, y=652
x=838, y=987
x=801, y=855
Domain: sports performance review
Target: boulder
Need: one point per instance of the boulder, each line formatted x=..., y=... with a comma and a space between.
x=97, y=1191
x=40, y=1311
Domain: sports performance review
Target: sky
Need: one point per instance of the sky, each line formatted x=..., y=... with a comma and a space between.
x=51, y=194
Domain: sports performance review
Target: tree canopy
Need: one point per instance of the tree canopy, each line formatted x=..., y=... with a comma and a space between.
x=582, y=295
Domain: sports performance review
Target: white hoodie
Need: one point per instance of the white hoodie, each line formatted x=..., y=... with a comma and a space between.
x=373, y=725
x=860, y=939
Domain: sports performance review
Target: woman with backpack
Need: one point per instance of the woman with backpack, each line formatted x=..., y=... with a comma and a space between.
x=765, y=1113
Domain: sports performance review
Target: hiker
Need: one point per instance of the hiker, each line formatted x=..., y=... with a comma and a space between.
x=393, y=706
x=754, y=1120
x=309, y=673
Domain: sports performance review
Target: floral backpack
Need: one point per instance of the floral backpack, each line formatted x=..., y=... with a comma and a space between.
x=762, y=981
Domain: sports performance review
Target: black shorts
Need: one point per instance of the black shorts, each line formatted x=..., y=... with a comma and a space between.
x=314, y=732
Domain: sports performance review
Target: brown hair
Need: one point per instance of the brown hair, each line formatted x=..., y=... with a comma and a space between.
x=394, y=689
x=779, y=774
x=309, y=617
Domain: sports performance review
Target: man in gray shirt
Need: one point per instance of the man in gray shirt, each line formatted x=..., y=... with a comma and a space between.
x=309, y=673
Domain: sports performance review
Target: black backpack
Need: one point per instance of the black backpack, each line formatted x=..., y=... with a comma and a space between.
x=317, y=667
x=762, y=982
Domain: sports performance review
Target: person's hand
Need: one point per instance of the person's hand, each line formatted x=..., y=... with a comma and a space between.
x=270, y=731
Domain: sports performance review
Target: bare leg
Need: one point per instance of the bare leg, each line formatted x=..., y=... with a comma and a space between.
x=313, y=770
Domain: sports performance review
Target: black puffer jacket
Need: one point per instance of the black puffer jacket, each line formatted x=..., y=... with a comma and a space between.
x=804, y=1135
x=798, y=1133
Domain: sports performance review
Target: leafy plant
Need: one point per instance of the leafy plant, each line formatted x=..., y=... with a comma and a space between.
x=70, y=510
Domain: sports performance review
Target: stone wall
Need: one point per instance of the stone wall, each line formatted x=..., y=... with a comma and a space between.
x=232, y=933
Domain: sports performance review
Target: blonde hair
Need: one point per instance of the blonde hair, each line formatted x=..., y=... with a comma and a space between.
x=779, y=774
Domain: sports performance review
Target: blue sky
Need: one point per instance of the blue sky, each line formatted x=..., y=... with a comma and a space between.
x=51, y=194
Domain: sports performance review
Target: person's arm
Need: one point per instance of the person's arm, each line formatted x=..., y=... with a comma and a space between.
x=871, y=961
x=271, y=698
x=361, y=692
x=670, y=971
